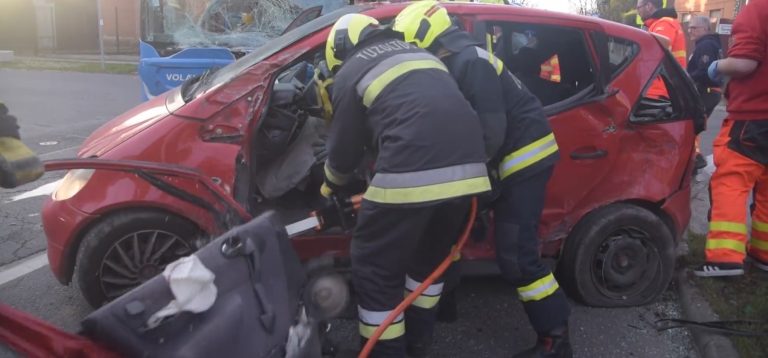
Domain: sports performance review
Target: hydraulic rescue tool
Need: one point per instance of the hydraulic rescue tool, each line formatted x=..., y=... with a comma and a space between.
x=340, y=211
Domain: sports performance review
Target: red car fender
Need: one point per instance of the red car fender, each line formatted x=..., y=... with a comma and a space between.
x=129, y=184
x=212, y=193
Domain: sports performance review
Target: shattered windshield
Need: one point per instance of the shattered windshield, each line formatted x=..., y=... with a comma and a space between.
x=234, y=24
x=273, y=46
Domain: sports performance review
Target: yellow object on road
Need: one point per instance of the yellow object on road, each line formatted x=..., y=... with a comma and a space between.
x=18, y=164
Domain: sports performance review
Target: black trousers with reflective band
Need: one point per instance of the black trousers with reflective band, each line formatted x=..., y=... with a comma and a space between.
x=391, y=242
x=517, y=213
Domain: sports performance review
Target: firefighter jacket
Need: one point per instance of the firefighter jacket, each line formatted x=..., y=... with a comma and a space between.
x=664, y=22
x=707, y=50
x=504, y=105
x=400, y=102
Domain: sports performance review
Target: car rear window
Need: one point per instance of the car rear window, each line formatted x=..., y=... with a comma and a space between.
x=620, y=53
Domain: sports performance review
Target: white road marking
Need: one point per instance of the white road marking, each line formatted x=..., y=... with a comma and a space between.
x=46, y=189
x=23, y=267
x=44, y=155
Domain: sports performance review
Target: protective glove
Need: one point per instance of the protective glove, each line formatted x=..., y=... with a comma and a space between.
x=713, y=73
x=326, y=191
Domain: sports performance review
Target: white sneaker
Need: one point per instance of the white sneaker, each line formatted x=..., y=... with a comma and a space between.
x=712, y=269
x=758, y=263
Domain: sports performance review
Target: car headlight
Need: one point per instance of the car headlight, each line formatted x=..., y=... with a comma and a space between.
x=72, y=183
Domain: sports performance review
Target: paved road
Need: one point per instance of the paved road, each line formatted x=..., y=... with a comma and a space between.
x=700, y=188
x=58, y=110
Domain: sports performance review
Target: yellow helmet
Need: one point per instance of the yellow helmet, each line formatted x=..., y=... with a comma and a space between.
x=422, y=22
x=345, y=34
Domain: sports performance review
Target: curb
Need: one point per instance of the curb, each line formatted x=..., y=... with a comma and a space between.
x=81, y=60
x=696, y=308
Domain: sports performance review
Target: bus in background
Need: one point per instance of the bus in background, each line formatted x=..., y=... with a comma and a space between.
x=181, y=39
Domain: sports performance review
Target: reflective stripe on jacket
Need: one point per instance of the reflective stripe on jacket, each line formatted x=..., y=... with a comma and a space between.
x=529, y=144
x=400, y=102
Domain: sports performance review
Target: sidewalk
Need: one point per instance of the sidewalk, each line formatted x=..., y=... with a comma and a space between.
x=115, y=59
x=695, y=306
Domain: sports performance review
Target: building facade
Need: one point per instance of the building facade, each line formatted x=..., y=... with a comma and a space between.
x=69, y=26
x=714, y=9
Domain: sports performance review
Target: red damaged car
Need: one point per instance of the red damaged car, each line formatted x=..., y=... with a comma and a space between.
x=158, y=181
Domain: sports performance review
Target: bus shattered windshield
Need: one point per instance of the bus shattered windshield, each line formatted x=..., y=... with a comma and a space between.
x=239, y=25
x=181, y=39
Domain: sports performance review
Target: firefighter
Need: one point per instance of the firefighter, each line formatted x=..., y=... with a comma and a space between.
x=18, y=164
x=399, y=102
x=520, y=142
x=741, y=150
x=706, y=51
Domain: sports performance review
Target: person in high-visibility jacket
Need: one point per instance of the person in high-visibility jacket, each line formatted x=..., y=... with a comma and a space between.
x=741, y=150
x=662, y=23
x=550, y=69
x=520, y=144
x=398, y=101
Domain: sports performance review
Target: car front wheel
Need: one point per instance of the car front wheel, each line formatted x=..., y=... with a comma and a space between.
x=126, y=249
x=617, y=256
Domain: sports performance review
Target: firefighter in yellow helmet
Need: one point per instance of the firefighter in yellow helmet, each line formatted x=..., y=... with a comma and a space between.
x=521, y=145
x=399, y=102
x=18, y=164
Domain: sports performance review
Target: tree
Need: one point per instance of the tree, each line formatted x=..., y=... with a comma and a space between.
x=586, y=7
x=617, y=10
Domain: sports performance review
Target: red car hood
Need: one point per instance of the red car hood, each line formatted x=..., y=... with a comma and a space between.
x=128, y=124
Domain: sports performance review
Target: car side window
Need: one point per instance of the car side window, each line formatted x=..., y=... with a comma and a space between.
x=553, y=62
x=621, y=52
x=660, y=101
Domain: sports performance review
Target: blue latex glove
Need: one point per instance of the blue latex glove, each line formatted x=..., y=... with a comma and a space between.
x=713, y=73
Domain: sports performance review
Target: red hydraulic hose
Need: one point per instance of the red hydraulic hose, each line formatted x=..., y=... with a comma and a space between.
x=419, y=290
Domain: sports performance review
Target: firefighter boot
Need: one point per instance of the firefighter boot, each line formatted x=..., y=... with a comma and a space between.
x=447, y=309
x=419, y=329
x=553, y=345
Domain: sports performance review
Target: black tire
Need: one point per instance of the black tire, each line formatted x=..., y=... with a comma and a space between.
x=108, y=264
x=617, y=256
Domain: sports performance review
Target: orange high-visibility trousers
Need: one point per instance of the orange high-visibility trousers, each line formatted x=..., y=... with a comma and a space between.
x=735, y=177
